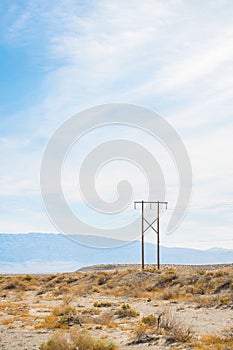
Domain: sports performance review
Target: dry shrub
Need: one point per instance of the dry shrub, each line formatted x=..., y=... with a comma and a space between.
x=84, y=341
x=15, y=284
x=91, y=311
x=167, y=294
x=141, y=335
x=64, y=310
x=50, y=322
x=174, y=327
x=61, y=316
x=212, y=301
x=28, y=278
x=67, y=298
x=227, y=271
x=14, y=308
x=152, y=270
x=7, y=321
x=57, y=342
x=102, y=304
x=214, y=342
x=126, y=311
x=60, y=290
x=80, y=340
x=150, y=320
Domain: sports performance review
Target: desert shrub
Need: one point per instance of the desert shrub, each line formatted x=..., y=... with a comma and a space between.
x=60, y=317
x=63, y=310
x=141, y=336
x=80, y=340
x=167, y=294
x=84, y=341
x=170, y=271
x=166, y=279
x=150, y=320
x=152, y=270
x=126, y=311
x=102, y=304
x=28, y=278
x=6, y=321
x=212, y=301
x=57, y=342
x=72, y=280
x=174, y=327
x=220, y=273
x=41, y=292
x=15, y=284
x=67, y=298
x=214, y=342
x=50, y=322
x=91, y=311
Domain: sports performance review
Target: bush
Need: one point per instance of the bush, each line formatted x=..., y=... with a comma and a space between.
x=174, y=327
x=126, y=311
x=150, y=320
x=80, y=340
x=57, y=342
x=64, y=310
x=102, y=304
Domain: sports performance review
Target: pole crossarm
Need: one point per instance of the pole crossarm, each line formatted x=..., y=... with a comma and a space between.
x=150, y=225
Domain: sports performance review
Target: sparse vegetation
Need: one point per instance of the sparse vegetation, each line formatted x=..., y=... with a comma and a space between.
x=174, y=327
x=102, y=304
x=81, y=340
x=150, y=320
x=126, y=311
x=91, y=311
x=97, y=301
x=213, y=342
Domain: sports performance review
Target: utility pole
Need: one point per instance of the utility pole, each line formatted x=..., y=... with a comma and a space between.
x=150, y=225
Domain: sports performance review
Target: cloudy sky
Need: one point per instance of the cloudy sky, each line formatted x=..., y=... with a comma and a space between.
x=174, y=57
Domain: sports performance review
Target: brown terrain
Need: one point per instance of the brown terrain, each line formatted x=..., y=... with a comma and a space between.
x=109, y=307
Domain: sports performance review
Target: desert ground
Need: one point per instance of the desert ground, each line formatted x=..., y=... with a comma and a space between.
x=119, y=307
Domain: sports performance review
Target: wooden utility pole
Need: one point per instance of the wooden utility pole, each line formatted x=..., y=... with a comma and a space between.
x=142, y=235
x=150, y=225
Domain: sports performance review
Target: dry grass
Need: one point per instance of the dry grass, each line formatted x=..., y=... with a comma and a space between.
x=61, y=316
x=102, y=304
x=150, y=320
x=64, y=310
x=126, y=311
x=81, y=340
x=91, y=311
x=50, y=322
x=7, y=321
x=213, y=342
x=174, y=327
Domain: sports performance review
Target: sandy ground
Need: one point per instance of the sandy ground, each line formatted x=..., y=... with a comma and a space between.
x=200, y=321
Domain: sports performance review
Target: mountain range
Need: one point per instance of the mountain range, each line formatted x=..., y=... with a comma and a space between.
x=50, y=253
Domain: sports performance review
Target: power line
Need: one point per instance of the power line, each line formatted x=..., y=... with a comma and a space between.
x=228, y=204
x=205, y=241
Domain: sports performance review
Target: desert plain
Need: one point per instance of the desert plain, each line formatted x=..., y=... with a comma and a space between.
x=110, y=307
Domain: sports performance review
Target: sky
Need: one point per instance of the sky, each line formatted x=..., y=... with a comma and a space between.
x=58, y=58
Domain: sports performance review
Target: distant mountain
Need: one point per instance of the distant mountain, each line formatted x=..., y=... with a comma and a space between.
x=41, y=253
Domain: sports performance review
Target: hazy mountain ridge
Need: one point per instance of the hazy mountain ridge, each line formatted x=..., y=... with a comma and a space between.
x=41, y=252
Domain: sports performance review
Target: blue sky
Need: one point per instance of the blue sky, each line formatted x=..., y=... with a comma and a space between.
x=175, y=57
